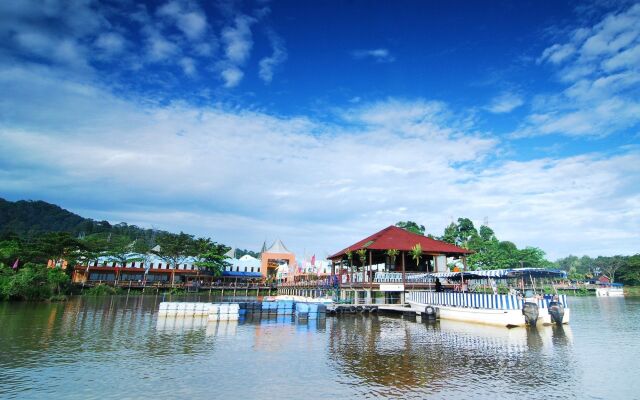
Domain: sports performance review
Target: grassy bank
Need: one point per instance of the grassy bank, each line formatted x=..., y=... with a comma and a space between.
x=632, y=291
x=33, y=282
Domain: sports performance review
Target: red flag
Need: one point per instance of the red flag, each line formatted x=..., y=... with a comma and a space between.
x=313, y=260
x=15, y=264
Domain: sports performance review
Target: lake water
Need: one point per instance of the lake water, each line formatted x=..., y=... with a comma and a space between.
x=118, y=348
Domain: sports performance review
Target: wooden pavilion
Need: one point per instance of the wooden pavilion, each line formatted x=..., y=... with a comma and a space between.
x=385, y=262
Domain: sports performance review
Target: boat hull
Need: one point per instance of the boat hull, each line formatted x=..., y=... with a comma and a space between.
x=609, y=292
x=505, y=318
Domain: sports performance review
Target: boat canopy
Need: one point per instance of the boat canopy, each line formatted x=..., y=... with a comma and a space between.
x=502, y=274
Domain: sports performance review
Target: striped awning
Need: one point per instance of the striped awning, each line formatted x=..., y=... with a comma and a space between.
x=503, y=274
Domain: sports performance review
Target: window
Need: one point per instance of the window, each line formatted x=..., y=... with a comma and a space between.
x=151, y=265
x=159, y=265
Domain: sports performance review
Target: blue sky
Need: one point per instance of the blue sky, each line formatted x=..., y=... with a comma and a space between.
x=322, y=122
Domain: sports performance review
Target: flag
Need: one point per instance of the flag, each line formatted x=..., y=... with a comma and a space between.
x=313, y=260
x=15, y=264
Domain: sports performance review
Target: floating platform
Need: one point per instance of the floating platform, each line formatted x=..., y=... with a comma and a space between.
x=233, y=311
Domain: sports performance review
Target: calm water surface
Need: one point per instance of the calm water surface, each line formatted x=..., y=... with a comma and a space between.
x=118, y=348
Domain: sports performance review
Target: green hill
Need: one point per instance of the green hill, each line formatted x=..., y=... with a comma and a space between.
x=27, y=218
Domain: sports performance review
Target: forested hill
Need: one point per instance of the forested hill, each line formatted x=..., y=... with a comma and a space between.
x=30, y=218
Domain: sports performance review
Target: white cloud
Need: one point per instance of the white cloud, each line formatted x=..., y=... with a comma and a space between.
x=231, y=76
x=188, y=66
x=251, y=175
x=159, y=48
x=505, y=103
x=110, y=43
x=600, y=66
x=187, y=17
x=84, y=35
x=237, y=39
x=279, y=55
x=65, y=51
x=557, y=53
x=379, y=55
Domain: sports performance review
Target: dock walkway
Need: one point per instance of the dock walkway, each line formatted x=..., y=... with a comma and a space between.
x=371, y=308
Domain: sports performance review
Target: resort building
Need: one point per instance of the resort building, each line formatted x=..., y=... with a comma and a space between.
x=391, y=262
x=144, y=268
x=243, y=267
x=277, y=262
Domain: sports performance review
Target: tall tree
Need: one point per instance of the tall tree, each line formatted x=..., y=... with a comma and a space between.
x=450, y=233
x=411, y=227
x=211, y=256
x=174, y=249
x=609, y=266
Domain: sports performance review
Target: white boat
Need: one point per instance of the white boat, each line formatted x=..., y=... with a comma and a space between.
x=614, y=290
x=493, y=309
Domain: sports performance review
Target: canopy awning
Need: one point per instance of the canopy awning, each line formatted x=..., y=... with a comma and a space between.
x=503, y=274
x=242, y=274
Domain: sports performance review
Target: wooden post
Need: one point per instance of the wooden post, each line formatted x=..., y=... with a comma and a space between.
x=333, y=270
x=464, y=269
x=403, y=268
x=370, y=270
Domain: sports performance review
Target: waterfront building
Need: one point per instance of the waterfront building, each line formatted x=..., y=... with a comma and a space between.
x=149, y=269
x=277, y=262
x=391, y=262
x=142, y=269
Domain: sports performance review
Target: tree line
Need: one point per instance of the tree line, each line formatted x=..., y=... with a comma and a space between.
x=23, y=260
x=29, y=219
x=492, y=253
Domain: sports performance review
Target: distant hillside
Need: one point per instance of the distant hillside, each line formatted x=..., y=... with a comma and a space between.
x=30, y=218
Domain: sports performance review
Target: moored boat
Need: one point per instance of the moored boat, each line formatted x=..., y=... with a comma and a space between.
x=611, y=290
x=508, y=310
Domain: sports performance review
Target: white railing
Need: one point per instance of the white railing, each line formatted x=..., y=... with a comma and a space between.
x=387, y=277
x=354, y=278
x=478, y=300
x=396, y=277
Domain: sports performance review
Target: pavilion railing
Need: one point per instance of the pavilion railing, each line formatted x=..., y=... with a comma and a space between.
x=396, y=277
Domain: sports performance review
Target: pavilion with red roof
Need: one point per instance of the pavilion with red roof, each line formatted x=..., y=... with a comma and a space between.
x=374, y=260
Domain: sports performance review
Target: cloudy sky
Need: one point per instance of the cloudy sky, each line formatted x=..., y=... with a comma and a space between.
x=322, y=122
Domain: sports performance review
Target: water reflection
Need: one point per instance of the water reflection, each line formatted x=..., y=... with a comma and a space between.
x=401, y=356
x=118, y=347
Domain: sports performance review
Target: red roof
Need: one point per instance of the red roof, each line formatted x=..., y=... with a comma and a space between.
x=393, y=237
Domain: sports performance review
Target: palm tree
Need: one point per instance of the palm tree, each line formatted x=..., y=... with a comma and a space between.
x=416, y=254
x=349, y=254
x=392, y=253
x=362, y=254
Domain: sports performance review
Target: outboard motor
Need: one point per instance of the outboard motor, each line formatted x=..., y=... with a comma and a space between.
x=430, y=313
x=556, y=310
x=530, y=312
